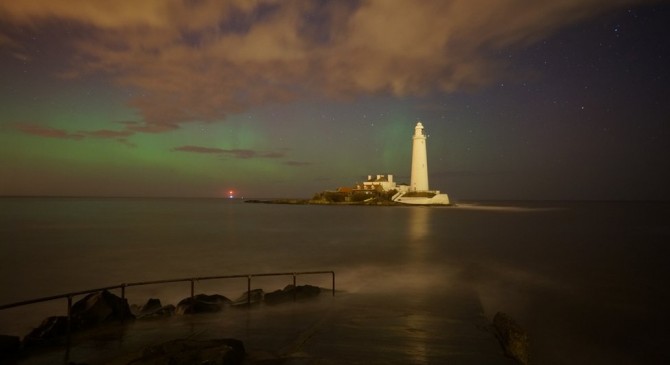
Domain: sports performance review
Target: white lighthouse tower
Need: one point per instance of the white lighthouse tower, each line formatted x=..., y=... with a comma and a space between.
x=419, y=178
x=417, y=192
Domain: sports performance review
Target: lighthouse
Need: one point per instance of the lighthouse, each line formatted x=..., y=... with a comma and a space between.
x=417, y=192
x=419, y=178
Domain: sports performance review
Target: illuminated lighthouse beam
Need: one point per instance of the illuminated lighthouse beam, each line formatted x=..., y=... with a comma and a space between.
x=419, y=178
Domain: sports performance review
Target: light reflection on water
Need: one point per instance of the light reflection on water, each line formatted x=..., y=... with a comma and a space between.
x=417, y=338
x=418, y=231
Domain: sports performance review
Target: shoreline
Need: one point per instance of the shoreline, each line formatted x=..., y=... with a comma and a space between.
x=371, y=202
x=319, y=202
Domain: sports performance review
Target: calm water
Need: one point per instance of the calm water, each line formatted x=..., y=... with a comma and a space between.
x=587, y=280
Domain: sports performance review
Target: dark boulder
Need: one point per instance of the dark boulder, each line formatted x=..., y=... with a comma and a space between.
x=187, y=352
x=151, y=306
x=51, y=329
x=154, y=309
x=253, y=297
x=290, y=293
x=512, y=337
x=9, y=345
x=202, y=303
x=100, y=307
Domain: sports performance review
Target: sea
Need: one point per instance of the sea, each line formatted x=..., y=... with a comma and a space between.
x=588, y=281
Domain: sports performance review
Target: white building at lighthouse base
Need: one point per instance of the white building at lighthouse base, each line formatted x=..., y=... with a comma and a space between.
x=421, y=197
x=417, y=192
x=404, y=193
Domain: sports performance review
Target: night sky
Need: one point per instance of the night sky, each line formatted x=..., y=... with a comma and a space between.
x=538, y=99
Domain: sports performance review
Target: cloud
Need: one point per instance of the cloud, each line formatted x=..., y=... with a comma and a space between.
x=148, y=127
x=48, y=132
x=202, y=60
x=236, y=153
x=110, y=14
x=197, y=149
x=13, y=48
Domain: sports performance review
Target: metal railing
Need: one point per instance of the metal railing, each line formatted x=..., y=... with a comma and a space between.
x=123, y=287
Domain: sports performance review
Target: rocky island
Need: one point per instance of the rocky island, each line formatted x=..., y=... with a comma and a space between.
x=339, y=197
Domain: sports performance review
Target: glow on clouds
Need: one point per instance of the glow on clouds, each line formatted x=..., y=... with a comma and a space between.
x=202, y=60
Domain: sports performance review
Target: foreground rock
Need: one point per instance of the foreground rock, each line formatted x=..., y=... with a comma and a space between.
x=202, y=303
x=187, y=352
x=154, y=309
x=100, y=307
x=50, y=330
x=250, y=298
x=290, y=293
x=90, y=311
x=512, y=337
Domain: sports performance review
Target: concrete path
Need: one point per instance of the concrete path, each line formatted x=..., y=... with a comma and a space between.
x=373, y=328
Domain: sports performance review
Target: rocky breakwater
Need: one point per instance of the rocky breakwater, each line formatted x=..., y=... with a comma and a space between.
x=512, y=338
x=93, y=310
x=103, y=307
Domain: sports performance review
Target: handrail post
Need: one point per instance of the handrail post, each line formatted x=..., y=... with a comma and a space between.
x=69, y=314
x=192, y=290
x=249, y=290
x=333, y=273
x=295, y=288
x=123, y=291
x=68, y=332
